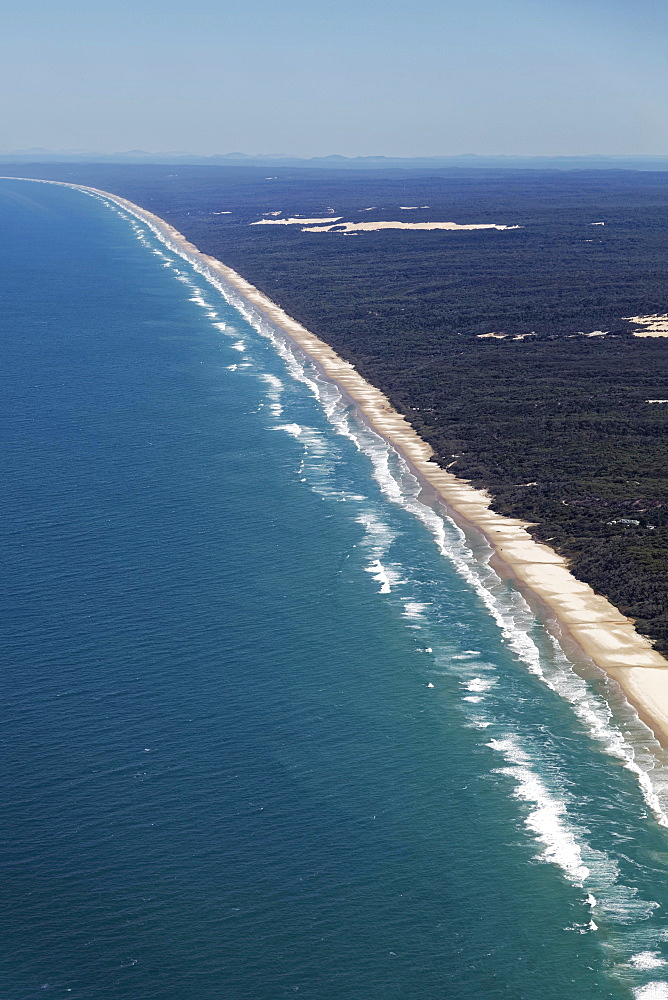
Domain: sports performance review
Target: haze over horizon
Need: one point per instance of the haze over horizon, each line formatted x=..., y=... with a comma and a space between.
x=523, y=78
x=166, y=156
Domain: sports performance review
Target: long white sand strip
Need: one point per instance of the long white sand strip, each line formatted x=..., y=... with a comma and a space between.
x=368, y=227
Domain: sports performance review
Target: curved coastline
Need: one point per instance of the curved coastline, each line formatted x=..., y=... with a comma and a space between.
x=598, y=629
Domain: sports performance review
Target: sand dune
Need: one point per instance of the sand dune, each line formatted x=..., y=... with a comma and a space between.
x=367, y=227
x=651, y=326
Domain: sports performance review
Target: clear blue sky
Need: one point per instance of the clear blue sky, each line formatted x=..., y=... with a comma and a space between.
x=356, y=77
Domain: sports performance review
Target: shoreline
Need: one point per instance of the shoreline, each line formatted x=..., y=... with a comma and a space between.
x=599, y=630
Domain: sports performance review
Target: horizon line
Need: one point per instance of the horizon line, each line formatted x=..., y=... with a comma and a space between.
x=42, y=151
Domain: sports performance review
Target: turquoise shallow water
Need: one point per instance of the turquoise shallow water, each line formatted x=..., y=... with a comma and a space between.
x=270, y=724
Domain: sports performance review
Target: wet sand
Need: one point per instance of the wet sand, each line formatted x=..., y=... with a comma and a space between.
x=599, y=629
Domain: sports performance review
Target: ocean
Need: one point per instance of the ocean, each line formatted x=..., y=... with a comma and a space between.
x=270, y=723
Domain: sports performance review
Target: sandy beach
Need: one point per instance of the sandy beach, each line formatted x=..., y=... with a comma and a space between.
x=600, y=631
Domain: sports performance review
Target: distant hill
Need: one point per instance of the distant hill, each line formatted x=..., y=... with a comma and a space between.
x=335, y=161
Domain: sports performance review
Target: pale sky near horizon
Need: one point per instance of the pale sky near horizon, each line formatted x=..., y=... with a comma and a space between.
x=359, y=77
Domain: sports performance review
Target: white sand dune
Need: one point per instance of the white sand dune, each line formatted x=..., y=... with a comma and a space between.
x=651, y=326
x=367, y=227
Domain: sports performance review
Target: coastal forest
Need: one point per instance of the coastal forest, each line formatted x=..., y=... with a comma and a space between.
x=514, y=351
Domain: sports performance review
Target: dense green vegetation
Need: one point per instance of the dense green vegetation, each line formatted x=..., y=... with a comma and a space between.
x=555, y=425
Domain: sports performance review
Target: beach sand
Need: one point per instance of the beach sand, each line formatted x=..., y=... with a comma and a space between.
x=599, y=630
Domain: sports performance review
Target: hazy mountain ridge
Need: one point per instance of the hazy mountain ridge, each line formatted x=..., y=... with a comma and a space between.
x=337, y=161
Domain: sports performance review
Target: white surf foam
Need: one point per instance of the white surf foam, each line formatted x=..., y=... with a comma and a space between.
x=644, y=960
x=547, y=818
x=652, y=991
x=415, y=609
x=293, y=429
x=274, y=393
x=480, y=684
x=377, y=532
x=566, y=844
x=380, y=575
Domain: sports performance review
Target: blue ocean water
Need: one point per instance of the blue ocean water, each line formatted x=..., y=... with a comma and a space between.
x=270, y=724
